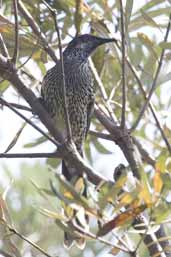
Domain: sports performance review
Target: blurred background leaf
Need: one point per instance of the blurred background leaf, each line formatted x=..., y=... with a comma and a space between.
x=145, y=23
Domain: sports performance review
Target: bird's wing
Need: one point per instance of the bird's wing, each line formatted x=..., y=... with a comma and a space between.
x=90, y=111
x=50, y=83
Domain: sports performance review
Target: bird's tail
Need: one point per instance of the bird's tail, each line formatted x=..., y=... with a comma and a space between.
x=66, y=172
x=70, y=239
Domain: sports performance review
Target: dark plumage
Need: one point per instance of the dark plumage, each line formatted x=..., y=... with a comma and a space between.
x=80, y=93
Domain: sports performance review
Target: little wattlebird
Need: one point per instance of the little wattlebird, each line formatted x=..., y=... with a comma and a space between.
x=80, y=96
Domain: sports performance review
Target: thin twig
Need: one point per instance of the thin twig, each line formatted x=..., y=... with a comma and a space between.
x=30, y=56
x=102, y=90
x=3, y=47
x=14, y=231
x=18, y=106
x=28, y=121
x=36, y=30
x=101, y=135
x=154, y=83
x=30, y=76
x=67, y=121
x=150, y=105
x=123, y=67
x=29, y=155
x=151, y=108
x=16, y=45
x=144, y=154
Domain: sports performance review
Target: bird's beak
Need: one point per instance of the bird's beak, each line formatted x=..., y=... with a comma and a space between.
x=101, y=41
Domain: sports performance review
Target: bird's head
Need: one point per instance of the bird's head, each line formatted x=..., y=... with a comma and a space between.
x=81, y=47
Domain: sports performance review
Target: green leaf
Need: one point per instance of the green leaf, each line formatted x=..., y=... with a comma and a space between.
x=3, y=86
x=149, y=20
x=52, y=214
x=27, y=43
x=148, y=43
x=42, y=191
x=162, y=213
x=150, y=5
x=108, y=192
x=38, y=141
x=77, y=198
x=53, y=162
x=128, y=11
x=64, y=5
x=165, y=45
x=88, y=150
x=138, y=22
x=163, y=78
x=16, y=137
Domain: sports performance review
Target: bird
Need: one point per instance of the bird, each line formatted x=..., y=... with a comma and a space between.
x=80, y=97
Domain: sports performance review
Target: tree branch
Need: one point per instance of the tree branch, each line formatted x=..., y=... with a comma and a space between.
x=100, y=135
x=3, y=47
x=122, y=138
x=29, y=155
x=14, y=231
x=16, y=46
x=18, y=106
x=123, y=66
x=144, y=154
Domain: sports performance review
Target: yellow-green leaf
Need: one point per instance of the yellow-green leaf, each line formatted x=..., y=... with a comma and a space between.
x=149, y=20
x=147, y=43
x=158, y=183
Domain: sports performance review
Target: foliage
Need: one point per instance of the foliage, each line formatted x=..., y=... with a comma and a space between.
x=34, y=201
